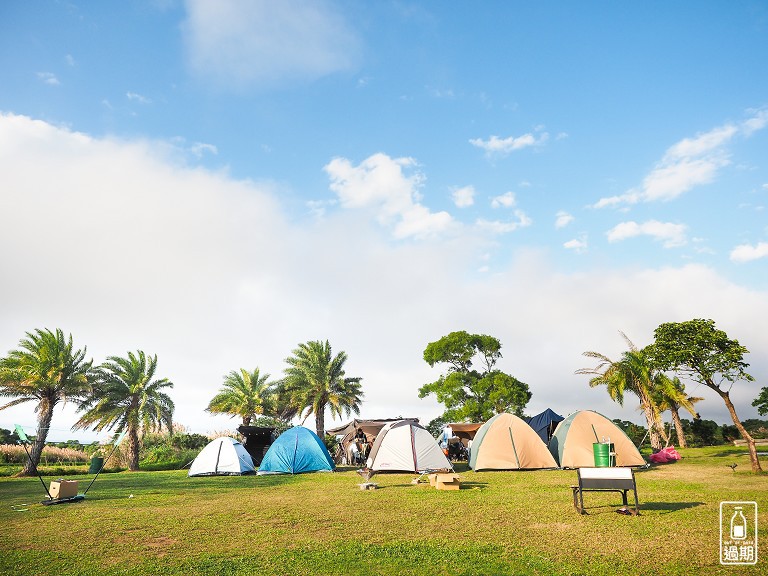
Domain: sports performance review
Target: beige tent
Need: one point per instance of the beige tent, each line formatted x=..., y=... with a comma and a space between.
x=507, y=442
x=571, y=444
x=465, y=432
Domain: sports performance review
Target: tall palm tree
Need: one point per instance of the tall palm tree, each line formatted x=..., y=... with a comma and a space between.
x=633, y=373
x=672, y=398
x=128, y=398
x=46, y=369
x=244, y=394
x=315, y=380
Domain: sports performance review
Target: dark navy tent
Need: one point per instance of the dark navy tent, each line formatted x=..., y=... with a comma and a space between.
x=545, y=423
x=295, y=451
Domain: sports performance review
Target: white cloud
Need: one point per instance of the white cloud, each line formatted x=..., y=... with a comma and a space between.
x=258, y=43
x=380, y=183
x=503, y=227
x=578, y=245
x=116, y=243
x=562, y=219
x=134, y=97
x=670, y=234
x=747, y=252
x=506, y=200
x=464, y=197
x=200, y=148
x=48, y=78
x=687, y=164
x=502, y=146
x=757, y=121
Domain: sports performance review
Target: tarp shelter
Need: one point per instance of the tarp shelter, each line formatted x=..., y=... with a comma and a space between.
x=370, y=428
x=571, y=444
x=465, y=432
x=406, y=446
x=257, y=440
x=544, y=424
x=295, y=451
x=221, y=457
x=507, y=442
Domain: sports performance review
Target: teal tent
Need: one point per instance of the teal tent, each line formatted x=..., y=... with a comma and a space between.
x=296, y=450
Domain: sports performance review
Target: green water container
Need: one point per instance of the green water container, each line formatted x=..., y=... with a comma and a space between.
x=96, y=463
x=603, y=454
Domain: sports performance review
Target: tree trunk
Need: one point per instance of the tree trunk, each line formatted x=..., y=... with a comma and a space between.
x=743, y=431
x=43, y=425
x=133, y=449
x=320, y=422
x=653, y=427
x=678, y=427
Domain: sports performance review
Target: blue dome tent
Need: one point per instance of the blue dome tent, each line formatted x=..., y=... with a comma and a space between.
x=296, y=450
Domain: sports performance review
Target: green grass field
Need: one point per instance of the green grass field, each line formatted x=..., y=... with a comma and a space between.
x=498, y=523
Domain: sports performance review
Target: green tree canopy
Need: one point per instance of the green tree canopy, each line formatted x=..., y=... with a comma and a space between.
x=47, y=369
x=245, y=395
x=632, y=373
x=467, y=393
x=697, y=350
x=761, y=402
x=128, y=398
x=315, y=380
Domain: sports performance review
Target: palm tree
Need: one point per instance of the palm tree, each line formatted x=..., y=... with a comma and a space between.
x=315, y=380
x=633, y=373
x=128, y=398
x=673, y=398
x=47, y=370
x=244, y=394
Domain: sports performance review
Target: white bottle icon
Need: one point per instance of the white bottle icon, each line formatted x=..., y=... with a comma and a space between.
x=738, y=525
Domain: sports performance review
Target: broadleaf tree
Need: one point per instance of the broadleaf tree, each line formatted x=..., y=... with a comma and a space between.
x=761, y=402
x=471, y=394
x=697, y=350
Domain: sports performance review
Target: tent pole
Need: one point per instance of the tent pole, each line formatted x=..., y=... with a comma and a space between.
x=103, y=464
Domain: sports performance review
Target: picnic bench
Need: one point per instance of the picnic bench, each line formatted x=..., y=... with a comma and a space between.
x=610, y=479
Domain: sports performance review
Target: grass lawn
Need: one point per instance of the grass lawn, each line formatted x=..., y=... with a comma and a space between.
x=498, y=523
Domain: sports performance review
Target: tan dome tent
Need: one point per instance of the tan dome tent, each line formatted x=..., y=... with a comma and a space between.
x=571, y=444
x=507, y=442
x=406, y=446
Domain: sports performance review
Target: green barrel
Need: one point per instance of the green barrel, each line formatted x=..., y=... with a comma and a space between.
x=603, y=452
x=96, y=463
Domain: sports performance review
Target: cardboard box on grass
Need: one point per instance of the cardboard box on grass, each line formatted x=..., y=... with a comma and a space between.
x=447, y=482
x=63, y=488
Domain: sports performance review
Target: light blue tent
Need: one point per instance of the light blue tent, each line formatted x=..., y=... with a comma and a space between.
x=296, y=450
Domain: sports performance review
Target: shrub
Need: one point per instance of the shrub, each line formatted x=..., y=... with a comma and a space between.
x=15, y=454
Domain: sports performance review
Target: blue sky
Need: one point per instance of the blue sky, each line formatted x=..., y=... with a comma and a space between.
x=216, y=182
